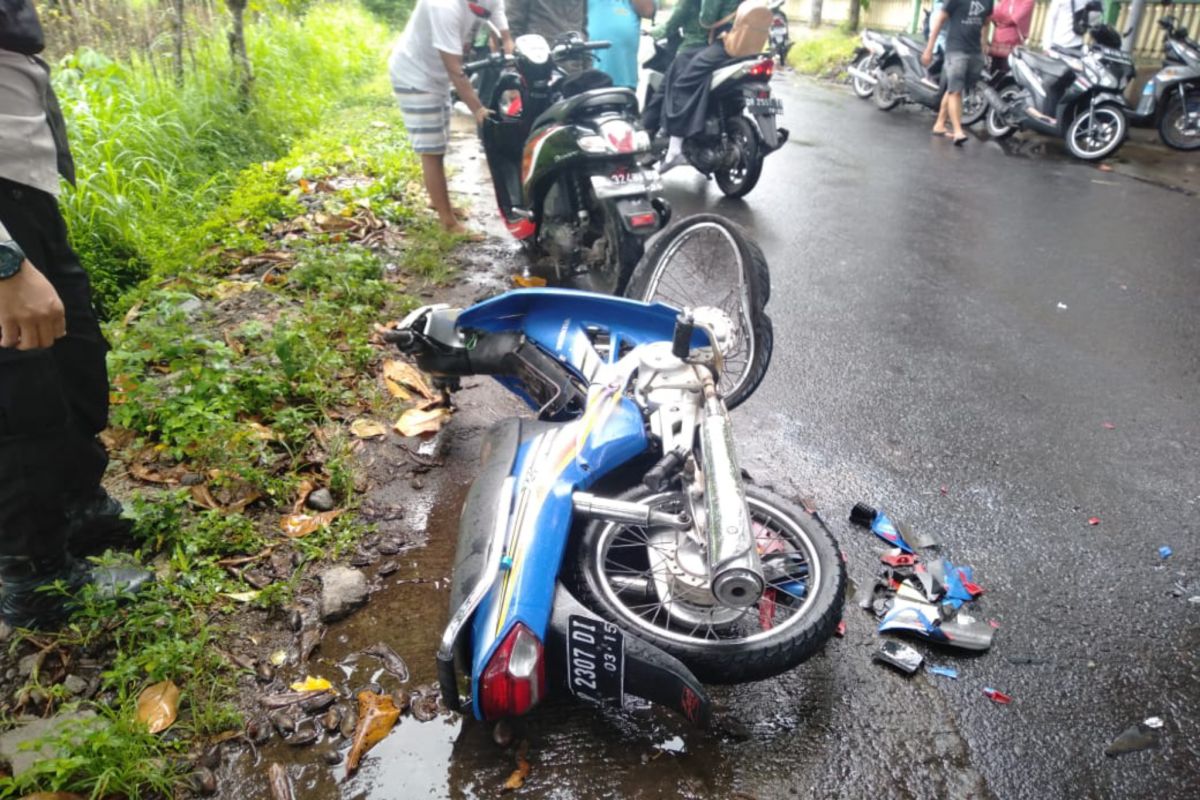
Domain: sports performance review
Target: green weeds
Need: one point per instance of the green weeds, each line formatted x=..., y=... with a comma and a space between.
x=823, y=52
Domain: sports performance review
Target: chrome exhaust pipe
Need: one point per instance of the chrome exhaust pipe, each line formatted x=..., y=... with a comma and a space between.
x=733, y=564
x=861, y=75
x=590, y=506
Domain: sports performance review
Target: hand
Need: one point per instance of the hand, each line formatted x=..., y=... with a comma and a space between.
x=31, y=313
x=481, y=114
x=927, y=57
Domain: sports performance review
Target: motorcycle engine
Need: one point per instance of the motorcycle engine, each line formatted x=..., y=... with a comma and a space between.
x=705, y=153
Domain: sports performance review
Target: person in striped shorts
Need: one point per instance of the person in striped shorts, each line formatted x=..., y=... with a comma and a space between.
x=425, y=63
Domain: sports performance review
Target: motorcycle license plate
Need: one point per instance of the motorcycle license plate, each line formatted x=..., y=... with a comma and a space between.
x=595, y=660
x=624, y=184
x=770, y=104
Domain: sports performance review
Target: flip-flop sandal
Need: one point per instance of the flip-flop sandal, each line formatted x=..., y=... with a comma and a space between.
x=960, y=141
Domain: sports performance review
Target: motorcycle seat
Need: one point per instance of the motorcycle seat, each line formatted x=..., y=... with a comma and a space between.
x=1046, y=65
x=589, y=102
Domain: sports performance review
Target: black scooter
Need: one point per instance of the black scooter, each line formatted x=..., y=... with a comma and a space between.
x=1170, y=100
x=900, y=77
x=1076, y=94
x=563, y=153
x=739, y=128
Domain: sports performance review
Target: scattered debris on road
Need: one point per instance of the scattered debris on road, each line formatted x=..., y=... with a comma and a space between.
x=900, y=656
x=1139, y=736
x=996, y=696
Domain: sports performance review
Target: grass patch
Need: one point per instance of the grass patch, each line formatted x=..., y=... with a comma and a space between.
x=823, y=52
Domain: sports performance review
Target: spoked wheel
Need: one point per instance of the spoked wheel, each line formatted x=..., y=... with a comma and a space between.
x=706, y=260
x=887, y=90
x=862, y=88
x=1096, y=132
x=974, y=105
x=1180, y=123
x=654, y=583
x=738, y=179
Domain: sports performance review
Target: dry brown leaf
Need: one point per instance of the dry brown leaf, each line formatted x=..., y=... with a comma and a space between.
x=306, y=488
x=517, y=779
x=377, y=715
x=297, y=526
x=329, y=222
x=367, y=429
x=232, y=499
x=223, y=290
x=405, y=374
x=158, y=706
x=422, y=421
x=116, y=438
x=262, y=432
x=145, y=467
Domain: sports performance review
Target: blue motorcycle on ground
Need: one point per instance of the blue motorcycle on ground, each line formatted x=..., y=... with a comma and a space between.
x=611, y=546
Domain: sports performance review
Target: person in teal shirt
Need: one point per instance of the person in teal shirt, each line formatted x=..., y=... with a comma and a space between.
x=619, y=22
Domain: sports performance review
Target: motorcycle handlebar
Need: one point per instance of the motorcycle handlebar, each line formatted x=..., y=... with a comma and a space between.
x=494, y=60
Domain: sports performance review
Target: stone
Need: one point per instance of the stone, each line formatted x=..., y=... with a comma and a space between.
x=30, y=664
x=75, y=685
x=5, y=631
x=321, y=500
x=30, y=730
x=342, y=590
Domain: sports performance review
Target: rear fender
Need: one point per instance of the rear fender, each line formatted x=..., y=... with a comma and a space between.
x=650, y=673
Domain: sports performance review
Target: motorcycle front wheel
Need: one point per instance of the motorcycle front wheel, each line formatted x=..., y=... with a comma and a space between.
x=653, y=583
x=1175, y=127
x=974, y=105
x=863, y=89
x=709, y=260
x=1096, y=132
x=885, y=91
x=997, y=128
x=738, y=179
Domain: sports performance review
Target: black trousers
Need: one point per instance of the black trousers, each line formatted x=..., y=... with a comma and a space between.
x=652, y=117
x=686, y=102
x=53, y=402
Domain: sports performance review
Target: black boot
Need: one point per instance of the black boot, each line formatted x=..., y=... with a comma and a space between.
x=96, y=525
x=26, y=601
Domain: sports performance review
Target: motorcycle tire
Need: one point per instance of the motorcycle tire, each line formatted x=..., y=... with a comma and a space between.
x=978, y=104
x=1170, y=124
x=862, y=89
x=885, y=93
x=623, y=252
x=683, y=266
x=721, y=655
x=740, y=179
x=995, y=125
x=1107, y=114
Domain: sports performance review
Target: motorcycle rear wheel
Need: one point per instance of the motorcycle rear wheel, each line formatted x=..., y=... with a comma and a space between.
x=885, y=91
x=708, y=260
x=620, y=565
x=1171, y=126
x=738, y=180
x=974, y=105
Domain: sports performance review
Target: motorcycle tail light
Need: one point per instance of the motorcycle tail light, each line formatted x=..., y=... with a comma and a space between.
x=620, y=135
x=643, y=220
x=515, y=678
x=594, y=144
x=763, y=68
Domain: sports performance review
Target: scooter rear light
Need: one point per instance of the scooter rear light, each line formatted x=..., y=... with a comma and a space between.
x=643, y=220
x=763, y=68
x=515, y=677
x=620, y=136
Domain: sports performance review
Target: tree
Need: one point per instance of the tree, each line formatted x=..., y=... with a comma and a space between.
x=815, y=20
x=176, y=14
x=855, y=7
x=237, y=50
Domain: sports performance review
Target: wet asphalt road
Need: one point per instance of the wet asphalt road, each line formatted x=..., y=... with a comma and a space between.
x=954, y=327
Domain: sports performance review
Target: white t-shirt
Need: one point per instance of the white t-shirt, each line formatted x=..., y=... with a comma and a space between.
x=435, y=27
x=1060, y=25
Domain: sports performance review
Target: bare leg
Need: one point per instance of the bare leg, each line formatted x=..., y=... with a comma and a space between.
x=433, y=167
x=939, y=125
x=954, y=102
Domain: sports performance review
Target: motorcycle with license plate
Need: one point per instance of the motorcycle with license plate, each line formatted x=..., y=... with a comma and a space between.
x=1073, y=93
x=1170, y=100
x=900, y=77
x=611, y=545
x=740, y=128
x=563, y=153
x=780, y=35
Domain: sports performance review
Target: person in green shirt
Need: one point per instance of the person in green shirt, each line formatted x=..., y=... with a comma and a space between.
x=692, y=20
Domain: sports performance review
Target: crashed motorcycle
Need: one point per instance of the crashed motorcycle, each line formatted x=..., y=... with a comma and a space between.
x=739, y=129
x=1075, y=94
x=900, y=77
x=1170, y=100
x=563, y=153
x=876, y=47
x=612, y=546
x=780, y=36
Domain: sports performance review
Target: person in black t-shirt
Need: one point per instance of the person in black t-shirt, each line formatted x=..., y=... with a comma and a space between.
x=965, y=22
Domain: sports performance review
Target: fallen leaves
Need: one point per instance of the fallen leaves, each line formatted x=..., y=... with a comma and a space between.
x=517, y=779
x=311, y=684
x=297, y=526
x=158, y=706
x=422, y=421
x=367, y=429
x=398, y=375
x=242, y=597
x=377, y=715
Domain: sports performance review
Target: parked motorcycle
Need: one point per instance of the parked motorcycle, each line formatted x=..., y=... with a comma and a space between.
x=902, y=78
x=563, y=153
x=1076, y=94
x=780, y=35
x=740, y=129
x=612, y=547
x=1170, y=100
x=875, y=47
